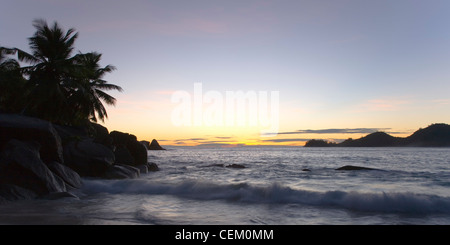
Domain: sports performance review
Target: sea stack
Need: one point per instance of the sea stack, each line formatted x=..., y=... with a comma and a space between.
x=154, y=145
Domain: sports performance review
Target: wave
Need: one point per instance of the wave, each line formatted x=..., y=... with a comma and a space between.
x=392, y=202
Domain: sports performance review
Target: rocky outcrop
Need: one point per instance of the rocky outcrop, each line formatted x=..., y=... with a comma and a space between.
x=71, y=178
x=88, y=158
x=39, y=159
x=350, y=167
x=136, y=150
x=9, y=192
x=152, y=167
x=21, y=166
x=234, y=165
x=155, y=146
x=145, y=143
x=119, y=171
x=29, y=128
x=100, y=134
x=123, y=156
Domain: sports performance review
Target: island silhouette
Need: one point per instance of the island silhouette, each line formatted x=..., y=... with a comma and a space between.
x=435, y=135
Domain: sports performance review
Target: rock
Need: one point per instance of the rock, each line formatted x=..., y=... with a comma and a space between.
x=145, y=143
x=139, y=153
x=214, y=165
x=123, y=156
x=27, y=129
x=69, y=176
x=235, y=166
x=136, y=149
x=101, y=135
x=88, y=158
x=350, y=167
x=9, y=192
x=155, y=146
x=152, y=167
x=70, y=133
x=119, y=171
x=122, y=138
x=21, y=165
x=143, y=169
x=59, y=195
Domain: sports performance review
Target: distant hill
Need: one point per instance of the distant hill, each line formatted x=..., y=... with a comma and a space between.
x=377, y=139
x=434, y=135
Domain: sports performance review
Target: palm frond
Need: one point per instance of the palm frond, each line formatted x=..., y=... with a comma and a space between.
x=26, y=57
x=104, y=85
x=108, y=99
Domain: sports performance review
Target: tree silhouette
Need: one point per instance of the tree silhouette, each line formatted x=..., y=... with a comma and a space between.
x=89, y=94
x=11, y=83
x=62, y=87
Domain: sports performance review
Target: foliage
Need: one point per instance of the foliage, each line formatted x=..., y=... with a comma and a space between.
x=57, y=85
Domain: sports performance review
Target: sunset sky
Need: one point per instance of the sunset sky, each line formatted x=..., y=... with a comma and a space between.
x=342, y=68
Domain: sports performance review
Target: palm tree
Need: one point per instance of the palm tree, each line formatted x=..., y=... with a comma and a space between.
x=51, y=65
x=63, y=88
x=89, y=92
x=11, y=82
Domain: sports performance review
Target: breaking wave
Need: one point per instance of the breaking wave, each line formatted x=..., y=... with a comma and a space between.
x=391, y=202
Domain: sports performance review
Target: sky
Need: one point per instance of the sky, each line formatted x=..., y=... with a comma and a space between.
x=319, y=69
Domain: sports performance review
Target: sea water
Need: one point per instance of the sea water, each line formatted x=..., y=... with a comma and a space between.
x=277, y=186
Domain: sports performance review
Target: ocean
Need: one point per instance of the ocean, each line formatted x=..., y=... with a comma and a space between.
x=276, y=186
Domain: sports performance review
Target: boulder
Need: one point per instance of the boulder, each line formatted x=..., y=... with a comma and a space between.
x=21, y=165
x=59, y=195
x=152, y=167
x=69, y=176
x=143, y=169
x=70, y=133
x=155, y=145
x=122, y=138
x=9, y=192
x=139, y=153
x=350, y=167
x=145, y=143
x=135, y=148
x=32, y=129
x=88, y=158
x=119, y=171
x=100, y=134
x=123, y=156
x=235, y=166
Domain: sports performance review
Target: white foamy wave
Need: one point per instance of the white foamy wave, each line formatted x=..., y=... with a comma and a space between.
x=200, y=190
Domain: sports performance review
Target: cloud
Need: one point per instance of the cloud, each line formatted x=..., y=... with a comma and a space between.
x=220, y=145
x=192, y=139
x=337, y=131
x=286, y=140
x=223, y=137
x=179, y=143
x=206, y=141
x=441, y=101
